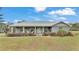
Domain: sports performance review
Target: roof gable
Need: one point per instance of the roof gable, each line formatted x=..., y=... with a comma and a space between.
x=61, y=24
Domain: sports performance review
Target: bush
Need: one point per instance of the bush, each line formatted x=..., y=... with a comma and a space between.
x=69, y=34
x=25, y=34
x=31, y=34
x=6, y=30
x=61, y=32
x=10, y=34
x=15, y=34
x=49, y=34
x=20, y=34
x=45, y=34
x=53, y=34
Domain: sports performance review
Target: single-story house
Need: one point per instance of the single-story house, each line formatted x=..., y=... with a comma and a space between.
x=38, y=27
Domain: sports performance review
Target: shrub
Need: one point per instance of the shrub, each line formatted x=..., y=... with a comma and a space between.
x=69, y=34
x=45, y=34
x=11, y=34
x=6, y=30
x=31, y=34
x=53, y=34
x=61, y=32
x=25, y=34
x=20, y=34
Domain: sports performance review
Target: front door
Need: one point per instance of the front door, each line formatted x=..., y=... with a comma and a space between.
x=39, y=31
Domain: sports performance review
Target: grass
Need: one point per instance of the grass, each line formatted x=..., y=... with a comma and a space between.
x=40, y=43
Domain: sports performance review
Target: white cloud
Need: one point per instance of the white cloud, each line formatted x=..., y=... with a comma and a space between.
x=17, y=20
x=65, y=11
x=51, y=20
x=57, y=19
x=66, y=21
x=62, y=18
x=5, y=22
x=40, y=9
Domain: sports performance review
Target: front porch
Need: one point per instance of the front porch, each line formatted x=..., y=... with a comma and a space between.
x=34, y=30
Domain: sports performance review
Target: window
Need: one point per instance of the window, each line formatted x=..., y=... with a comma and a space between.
x=18, y=29
x=32, y=30
x=47, y=29
x=60, y=27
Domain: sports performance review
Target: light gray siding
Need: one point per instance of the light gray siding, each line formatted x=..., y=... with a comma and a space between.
x=56, y=27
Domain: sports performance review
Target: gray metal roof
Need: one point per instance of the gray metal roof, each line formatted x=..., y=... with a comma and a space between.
x=34, y=23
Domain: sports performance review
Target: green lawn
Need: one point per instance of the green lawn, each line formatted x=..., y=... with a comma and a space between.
x=40, y=43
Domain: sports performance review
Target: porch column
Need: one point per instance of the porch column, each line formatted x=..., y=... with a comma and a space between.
x=12, y=29
x=23, y=29
x=35, y=30
x=43, y=29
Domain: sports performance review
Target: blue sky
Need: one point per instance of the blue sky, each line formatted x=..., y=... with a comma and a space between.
x=53, y=14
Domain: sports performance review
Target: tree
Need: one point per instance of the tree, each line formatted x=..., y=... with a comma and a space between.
x=1, y=16
x=75, y=27
x=2, y=24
